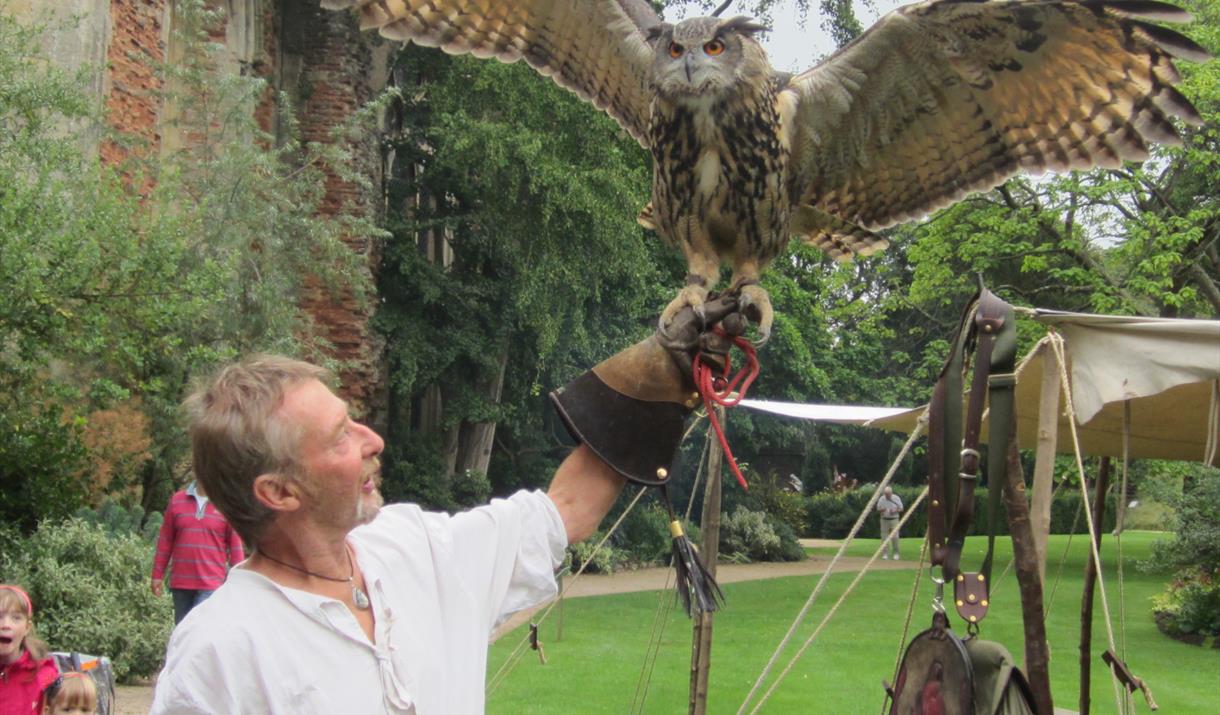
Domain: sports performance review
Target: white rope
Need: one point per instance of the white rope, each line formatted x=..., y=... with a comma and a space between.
x=833, y=609
x=664, y=606
x=868, y=509
x=1056, y=342
x=694, y=489
x=1128, y=699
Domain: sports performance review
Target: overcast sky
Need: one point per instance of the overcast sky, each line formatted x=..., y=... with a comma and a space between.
x=794, y=47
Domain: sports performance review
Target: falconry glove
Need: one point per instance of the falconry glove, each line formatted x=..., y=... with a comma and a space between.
x=631, y=410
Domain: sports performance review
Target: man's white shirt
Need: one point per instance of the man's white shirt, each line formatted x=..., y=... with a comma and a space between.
x=438, y=584
x=885, y=504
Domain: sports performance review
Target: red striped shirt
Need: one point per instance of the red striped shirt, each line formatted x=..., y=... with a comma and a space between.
x=200, y=548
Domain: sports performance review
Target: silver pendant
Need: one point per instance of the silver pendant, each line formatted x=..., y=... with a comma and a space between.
x=360, y=597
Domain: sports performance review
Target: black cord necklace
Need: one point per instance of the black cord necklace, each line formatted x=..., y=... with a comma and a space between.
x=359, y=597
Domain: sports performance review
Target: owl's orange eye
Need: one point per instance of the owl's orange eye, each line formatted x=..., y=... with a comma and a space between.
x=714, y=47
x=675, y=50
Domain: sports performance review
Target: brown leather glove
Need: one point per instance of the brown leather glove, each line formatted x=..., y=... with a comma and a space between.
x=631, y=408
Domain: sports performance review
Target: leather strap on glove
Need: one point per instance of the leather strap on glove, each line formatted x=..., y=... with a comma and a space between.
x=631, y=408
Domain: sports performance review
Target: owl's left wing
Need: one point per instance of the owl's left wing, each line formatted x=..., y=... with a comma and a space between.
x=944, y=98
x=596, y=48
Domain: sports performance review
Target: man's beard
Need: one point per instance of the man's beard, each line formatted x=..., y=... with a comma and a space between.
x=368, y=505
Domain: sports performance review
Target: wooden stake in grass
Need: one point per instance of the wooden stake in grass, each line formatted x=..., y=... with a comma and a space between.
x=701, y=647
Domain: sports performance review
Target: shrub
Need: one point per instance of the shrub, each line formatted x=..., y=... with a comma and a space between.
x=92, y=595
x=754, y=536
x=118, y=520
x=471, y=488
x=770, y=494
x=607, y=559
x=1196, y=543
x=643, y=538
x=1190, y=606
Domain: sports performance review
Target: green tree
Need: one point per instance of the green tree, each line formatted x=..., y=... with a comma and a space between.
x=121, y=283
x=515, y=262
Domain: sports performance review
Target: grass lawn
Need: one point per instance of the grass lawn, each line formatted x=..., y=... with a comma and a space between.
x=596, y=666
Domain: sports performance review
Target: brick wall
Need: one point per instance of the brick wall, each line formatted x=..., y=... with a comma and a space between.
x=322, y=61
x=137, y=42
x=326, y=64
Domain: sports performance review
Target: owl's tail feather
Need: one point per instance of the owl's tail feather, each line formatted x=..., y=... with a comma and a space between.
x=842, y=240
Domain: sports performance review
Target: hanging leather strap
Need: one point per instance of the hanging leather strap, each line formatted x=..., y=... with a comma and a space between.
x=988, y=330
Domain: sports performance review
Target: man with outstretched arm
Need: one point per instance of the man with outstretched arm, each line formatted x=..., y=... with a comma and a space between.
x=346, y=606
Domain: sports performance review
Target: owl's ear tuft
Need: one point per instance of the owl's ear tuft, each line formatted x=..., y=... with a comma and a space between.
x=656, y=32
x=743, y=24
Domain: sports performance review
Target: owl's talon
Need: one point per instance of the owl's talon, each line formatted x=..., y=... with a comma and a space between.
x=692, y=296
x=756, y=305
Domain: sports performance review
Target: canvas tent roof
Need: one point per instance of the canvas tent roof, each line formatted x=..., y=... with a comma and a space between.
x=1169, y=370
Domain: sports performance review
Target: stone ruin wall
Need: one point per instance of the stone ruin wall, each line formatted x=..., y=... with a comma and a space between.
x=318, y=58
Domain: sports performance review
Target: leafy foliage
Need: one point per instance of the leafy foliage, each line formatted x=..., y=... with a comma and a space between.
x=1189, y=607
x=93, y=594
x=536, y=197
x=1190, y=603
x=122, y=282
x=118, y=520
x=753, y=536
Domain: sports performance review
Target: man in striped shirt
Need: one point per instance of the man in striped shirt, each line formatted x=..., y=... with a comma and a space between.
x=201, y=544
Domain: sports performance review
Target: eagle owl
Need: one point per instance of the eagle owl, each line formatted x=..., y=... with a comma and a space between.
x=937, y=100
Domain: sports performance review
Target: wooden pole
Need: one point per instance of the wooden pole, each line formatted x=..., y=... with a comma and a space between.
x=1090, y=578
x=1037, y=652
x=1044, y=464
x=701, y=640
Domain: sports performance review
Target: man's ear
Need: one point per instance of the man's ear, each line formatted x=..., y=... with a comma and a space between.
x=277, y=492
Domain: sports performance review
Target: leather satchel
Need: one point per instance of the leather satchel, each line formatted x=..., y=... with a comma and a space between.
x=942, y=674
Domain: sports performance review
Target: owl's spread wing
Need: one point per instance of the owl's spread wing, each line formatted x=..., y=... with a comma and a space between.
x=596, y=49
x=945, y=98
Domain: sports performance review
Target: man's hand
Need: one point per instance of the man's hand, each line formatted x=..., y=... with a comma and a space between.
x=156, y=587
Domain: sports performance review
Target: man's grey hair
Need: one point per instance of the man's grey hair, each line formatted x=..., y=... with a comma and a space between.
x=236, y=435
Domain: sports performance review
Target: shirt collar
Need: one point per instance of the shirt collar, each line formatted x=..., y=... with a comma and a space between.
x=201, y=502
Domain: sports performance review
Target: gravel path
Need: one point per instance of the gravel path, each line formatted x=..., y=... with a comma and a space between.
x=137, y=699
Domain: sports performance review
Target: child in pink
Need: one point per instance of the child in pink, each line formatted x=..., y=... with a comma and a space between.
x=25, y=668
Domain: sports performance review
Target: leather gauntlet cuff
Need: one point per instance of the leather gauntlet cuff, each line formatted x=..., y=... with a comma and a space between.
x=631, y=410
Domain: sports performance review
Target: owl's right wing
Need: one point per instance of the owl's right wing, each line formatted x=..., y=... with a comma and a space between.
x=597, y=49
x=944, y=98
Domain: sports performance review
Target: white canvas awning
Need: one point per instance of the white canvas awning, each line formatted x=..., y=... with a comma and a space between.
x=1168, y=369
x=837, y=414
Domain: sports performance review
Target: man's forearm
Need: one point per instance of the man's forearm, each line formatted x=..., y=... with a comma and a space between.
x=583, y=489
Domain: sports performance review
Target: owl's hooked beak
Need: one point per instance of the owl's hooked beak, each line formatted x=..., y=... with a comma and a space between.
x=686, y=64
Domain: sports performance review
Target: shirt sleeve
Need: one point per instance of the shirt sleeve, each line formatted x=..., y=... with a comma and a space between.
x=165, y=542
x=509, y=551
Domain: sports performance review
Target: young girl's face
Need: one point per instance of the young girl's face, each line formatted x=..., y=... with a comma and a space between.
x=14, y=627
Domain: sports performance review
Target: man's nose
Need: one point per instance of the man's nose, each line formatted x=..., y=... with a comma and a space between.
x=373, y=443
